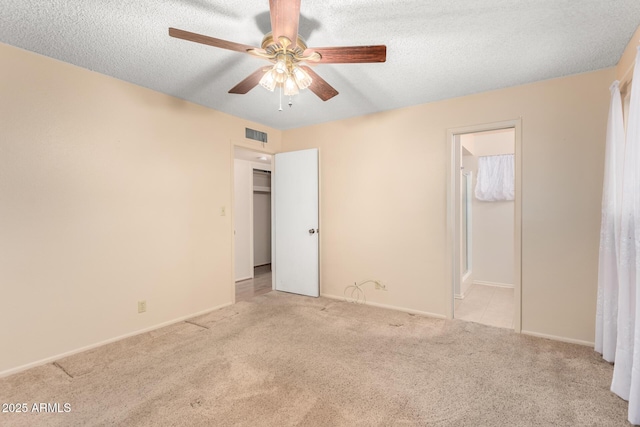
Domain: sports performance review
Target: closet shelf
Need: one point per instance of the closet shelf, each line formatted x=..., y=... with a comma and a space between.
x=262, y=189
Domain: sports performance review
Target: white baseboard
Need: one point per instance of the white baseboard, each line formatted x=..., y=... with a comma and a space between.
x=557, y=338
x=462, y=295
x=243, y=278
x=12, y=371
x=390, y=307
x=496, y=284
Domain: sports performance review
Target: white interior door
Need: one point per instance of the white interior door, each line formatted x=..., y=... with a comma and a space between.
x=295, y=192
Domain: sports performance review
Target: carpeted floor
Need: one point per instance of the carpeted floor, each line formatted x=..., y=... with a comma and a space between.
x=282, y=359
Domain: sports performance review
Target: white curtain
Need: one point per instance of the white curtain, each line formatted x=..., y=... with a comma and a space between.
x=495, y=178
x=626, y=370
x=607, y=309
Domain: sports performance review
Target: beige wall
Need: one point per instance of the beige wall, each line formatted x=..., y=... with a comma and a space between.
x=493, y=222
x=383, y=181
x=109, y=194
x=493, y=143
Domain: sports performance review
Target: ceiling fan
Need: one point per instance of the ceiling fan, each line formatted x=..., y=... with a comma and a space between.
x=284, y=47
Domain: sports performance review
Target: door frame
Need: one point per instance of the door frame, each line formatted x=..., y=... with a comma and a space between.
x=453, y=212
x=232, y=212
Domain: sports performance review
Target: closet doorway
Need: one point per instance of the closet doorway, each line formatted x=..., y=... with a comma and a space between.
x=252, y=223
x=484, y=224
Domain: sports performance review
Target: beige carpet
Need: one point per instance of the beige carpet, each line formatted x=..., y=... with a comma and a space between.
x=282, y=359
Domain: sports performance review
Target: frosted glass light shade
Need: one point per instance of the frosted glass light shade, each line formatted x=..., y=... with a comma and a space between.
x=268, y=81
x=281, y=66
x=301, y=77
x=280, y=77
x=290, y=87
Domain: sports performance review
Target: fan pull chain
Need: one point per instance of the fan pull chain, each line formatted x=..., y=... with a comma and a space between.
x=290, y=102
x=280, y=109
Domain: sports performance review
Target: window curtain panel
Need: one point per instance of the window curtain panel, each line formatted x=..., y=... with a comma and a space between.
x=495, y=178
x=626, y=215
x=607, y=308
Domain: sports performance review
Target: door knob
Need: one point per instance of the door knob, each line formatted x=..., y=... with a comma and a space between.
x=312, y=231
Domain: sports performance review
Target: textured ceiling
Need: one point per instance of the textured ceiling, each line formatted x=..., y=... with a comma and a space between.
x=435, y=49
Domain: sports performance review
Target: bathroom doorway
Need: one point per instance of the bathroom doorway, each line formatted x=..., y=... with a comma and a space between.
x=484, y=218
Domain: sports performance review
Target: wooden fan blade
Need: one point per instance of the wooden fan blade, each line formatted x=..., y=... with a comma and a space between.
x=211, y=41
x=350, y=54
x=319, y=86
x=285, y=16
x=249, y=83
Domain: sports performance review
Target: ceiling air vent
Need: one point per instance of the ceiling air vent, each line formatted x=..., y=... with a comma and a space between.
x=255, y=134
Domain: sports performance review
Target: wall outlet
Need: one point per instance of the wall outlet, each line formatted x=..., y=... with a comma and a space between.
x=223, y=211
x=142, y=306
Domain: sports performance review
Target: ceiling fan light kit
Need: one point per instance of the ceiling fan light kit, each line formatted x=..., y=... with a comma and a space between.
x=284, y=47
x=285, y=73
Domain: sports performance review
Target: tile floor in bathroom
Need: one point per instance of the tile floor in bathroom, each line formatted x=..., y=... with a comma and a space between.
x=489, y=305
